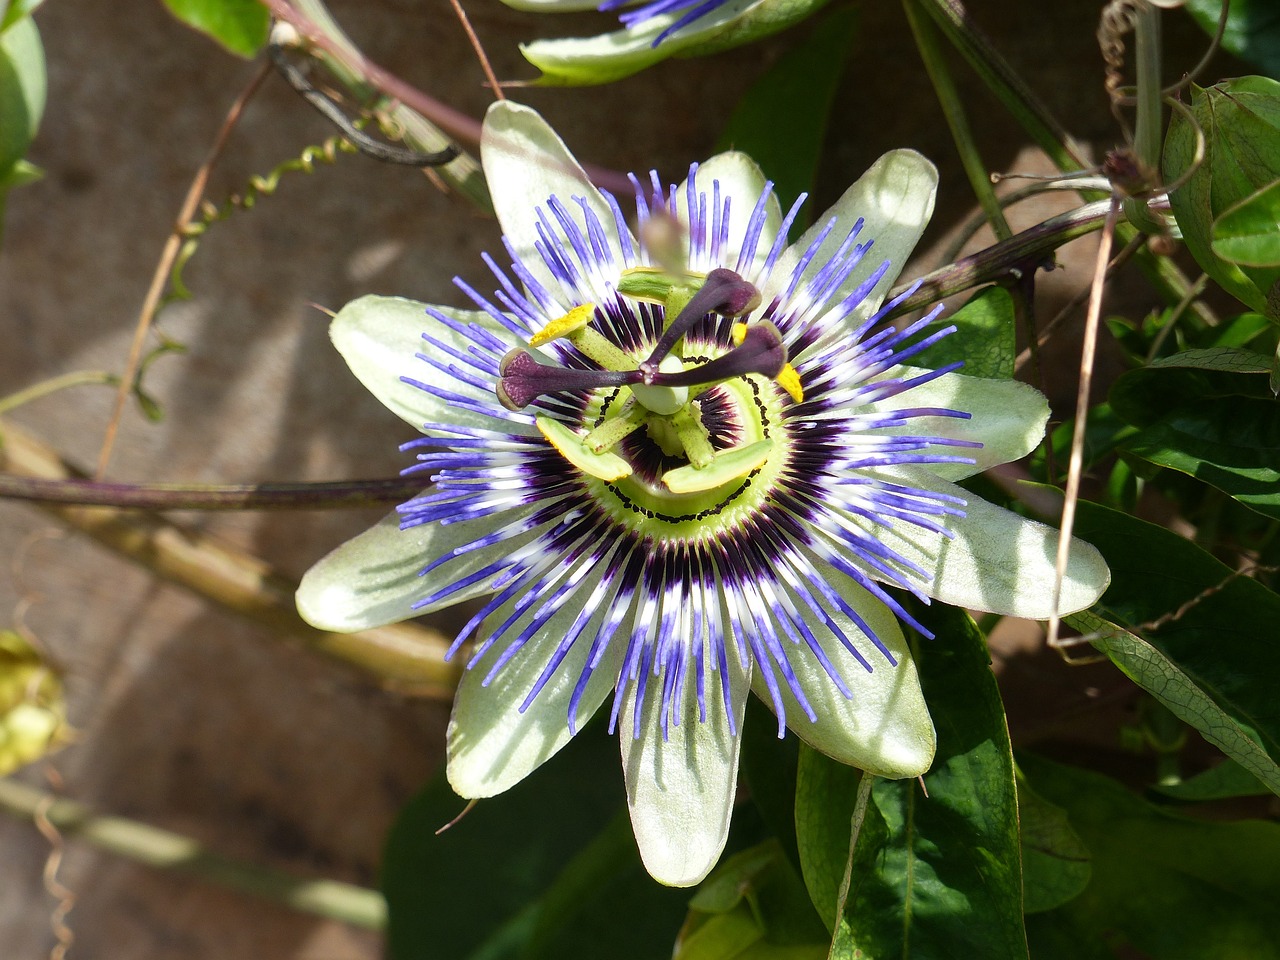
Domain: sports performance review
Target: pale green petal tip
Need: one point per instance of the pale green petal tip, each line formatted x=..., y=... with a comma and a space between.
x=366, y=582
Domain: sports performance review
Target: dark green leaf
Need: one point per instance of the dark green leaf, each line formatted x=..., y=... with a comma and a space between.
x=494, y=885
x=935, y=876
x=22, y=91
x=1241, y=123
x=1184, y=697
x=782, y=120
x=1248, y=234
x=753, y=904
x=1252, y=33
x=1173, y=888
x=1055, y=862
x=1217, y=628
x=1225, y=781
x=984, y=337
x=241, y=26
x=1209, y=414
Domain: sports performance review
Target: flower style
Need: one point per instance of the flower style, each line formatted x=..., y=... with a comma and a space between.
x=685, y=464
x=653, y=31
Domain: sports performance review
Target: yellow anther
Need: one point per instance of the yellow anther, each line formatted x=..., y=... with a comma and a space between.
x=789, y=381
x=739, y=333
x=574, y=320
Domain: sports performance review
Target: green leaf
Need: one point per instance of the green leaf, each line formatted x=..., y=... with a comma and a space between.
x=781, y=121
x=1056, y=865
x=1186, y=698
x=984, y=337
x=1248, y=234
x=241, y=26
x=935, y=876
x=1226, y=781
x=1171, y=887
x=1252, y=33
x=16, y=10
x=1209, y=414
x=22, y=91
x=1241, y=123
x=753, y=904
x=532, y=872
x=1216, y=628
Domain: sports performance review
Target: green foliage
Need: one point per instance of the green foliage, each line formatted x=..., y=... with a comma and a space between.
x=752, y=907
x=1252, y=33
x=1170, y=887
x=240, y=26
x=532, y=873
x=782, y=119
x=1226, y=781
x=22, y=101
x=1209, y=414
x=984, y=339
x=936, y=875
x=1056, y=865
x=1208, y=631
x=1240, y=120
x=1248, y=234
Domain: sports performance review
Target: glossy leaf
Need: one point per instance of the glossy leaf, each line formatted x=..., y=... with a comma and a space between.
x=530, y=872
x=1241, y=123
x=1226, y=781
x=1172, y=888
x=1216, y=628
x=1056, y=865
x=1252, y=33
x=937, y=875
x=781, y=121
x=241, y=26
x=1187, y=699
x=984, y=339
x=753, y=905
x=1248, y=234
x=1209, y=414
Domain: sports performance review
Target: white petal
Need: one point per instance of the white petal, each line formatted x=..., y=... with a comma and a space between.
x=612, y=56
x=742, y=182
x=526, y=163
x=380, y=338
x=884, y=727
x=1007, y=417
x=895, y=199
x=997, y=561
x=374, y=579
x=680, y=791
x=492, y=746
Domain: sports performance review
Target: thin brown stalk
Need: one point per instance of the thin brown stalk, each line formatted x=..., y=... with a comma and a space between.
x=1076, y=467
x=172, y=247
x=485, y=65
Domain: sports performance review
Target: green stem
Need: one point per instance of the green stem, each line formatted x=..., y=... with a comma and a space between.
x=1147, y=137
x=957, y=120
x=1023, y=251
x=165, y=850
x=865, y=783
x=1003, y=81
x=77, y=378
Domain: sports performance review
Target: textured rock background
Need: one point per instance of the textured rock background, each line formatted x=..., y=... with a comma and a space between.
x=191, y=718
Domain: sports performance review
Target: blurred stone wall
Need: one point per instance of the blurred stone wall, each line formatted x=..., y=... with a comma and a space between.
x=197, y=720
